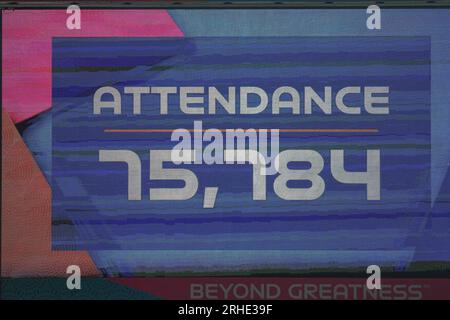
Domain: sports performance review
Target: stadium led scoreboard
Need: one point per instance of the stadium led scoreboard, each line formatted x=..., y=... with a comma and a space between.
x=230, y=139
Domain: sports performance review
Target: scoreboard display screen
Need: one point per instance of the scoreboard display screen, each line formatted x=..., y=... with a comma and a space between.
x=154, y=147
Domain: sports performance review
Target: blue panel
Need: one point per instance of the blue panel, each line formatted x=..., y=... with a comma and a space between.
x=101, y=216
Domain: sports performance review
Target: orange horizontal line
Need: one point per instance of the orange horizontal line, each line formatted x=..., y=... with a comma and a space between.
x=224, y=130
